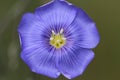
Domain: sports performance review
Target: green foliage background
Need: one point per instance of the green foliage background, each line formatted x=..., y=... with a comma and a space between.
x=106, y=64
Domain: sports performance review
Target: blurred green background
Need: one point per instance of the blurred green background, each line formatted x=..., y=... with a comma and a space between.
x=106, y=64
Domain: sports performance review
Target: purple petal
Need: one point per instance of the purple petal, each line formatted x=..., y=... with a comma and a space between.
x=31, y=31
x=41, y=61
x=36, y=51
x=74, y=62
x=29, y=22
x=85, y=30
x=56, y=13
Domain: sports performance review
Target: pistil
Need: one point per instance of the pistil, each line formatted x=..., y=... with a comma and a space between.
x=57, y=40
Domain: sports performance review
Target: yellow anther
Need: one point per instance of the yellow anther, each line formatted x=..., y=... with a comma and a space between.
x=57, y=40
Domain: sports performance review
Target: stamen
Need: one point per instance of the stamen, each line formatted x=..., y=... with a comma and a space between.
x=51, y=38
x=61, y=31
x=53, y=32
x=64, y=38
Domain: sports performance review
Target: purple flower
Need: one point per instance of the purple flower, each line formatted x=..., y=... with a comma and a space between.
x=57, y=39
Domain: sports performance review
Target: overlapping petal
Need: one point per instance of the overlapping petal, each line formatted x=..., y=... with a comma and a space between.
x=41, y=61
x=73, y=62
x=31, y=31
x=36, y=51
x=56, y=14
x=86, y=30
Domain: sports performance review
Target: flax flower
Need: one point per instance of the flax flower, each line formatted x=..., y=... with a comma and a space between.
x=57, y=39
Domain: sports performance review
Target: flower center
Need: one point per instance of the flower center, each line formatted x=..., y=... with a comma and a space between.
x=57, y=40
